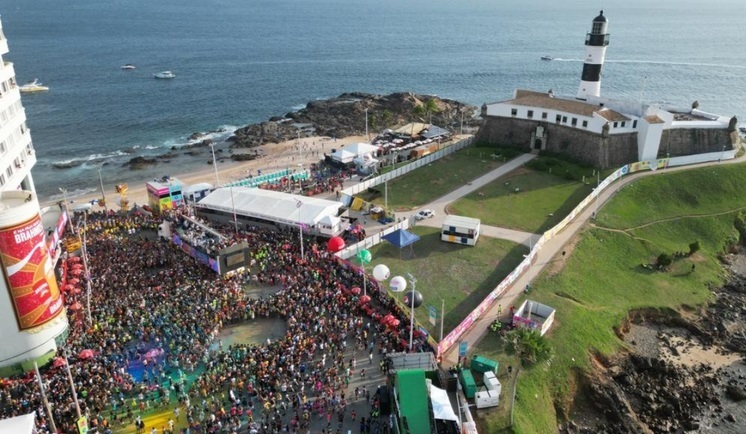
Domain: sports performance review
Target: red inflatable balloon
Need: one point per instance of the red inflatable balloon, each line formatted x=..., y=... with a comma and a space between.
x=335, y=244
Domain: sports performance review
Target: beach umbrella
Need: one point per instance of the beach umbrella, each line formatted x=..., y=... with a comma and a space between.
x=356, y=290
x=381, y=272
x=398, y=284
x=364, y=257
x=407, y=299
x=387, y=319
x=86, y=354
x=76, y=306
x=335, y=244
x=394, y=323
x=58, y=362
x=365, y=299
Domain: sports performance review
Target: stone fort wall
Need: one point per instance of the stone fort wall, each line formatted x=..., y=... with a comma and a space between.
x=594, y=149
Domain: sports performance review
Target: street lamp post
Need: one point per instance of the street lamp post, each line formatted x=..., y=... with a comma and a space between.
x=44, y=398
x=101, y=181
x=84, y=251
x=67, y=210
x=72, y=383
x=215, y=165
x=367, y=136
x=413, y=281
x=299, y=205
x=233, y=204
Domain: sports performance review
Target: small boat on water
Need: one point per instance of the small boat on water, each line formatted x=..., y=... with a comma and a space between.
x=128, y=66
x=33, y=86
x=547, y=58
x=164, y=75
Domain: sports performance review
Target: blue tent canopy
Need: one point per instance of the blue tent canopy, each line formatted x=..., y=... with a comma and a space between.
x=401, y=238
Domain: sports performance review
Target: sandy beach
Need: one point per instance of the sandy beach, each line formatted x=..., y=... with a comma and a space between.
x=276, y=156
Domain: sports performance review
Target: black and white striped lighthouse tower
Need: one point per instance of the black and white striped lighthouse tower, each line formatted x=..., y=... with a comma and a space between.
x=595, y=51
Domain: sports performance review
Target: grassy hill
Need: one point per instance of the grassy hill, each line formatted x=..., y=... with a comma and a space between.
x=604, y=278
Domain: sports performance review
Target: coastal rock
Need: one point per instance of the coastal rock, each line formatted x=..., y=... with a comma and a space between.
x=345, y=115
x=137, y=163
x=244, y=157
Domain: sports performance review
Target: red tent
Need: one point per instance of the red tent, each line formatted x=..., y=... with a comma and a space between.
x=86, y=354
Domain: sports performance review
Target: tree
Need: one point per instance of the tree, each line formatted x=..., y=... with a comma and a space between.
x=530, y=346
x=694, y=247
x=426, y=109
x=664, y=260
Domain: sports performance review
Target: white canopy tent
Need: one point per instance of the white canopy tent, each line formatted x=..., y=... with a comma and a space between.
x=350, y=152
x=442, y=408
x=19, y=425
x=272, y=206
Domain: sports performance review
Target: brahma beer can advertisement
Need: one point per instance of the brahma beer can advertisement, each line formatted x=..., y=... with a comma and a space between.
x=29, y=274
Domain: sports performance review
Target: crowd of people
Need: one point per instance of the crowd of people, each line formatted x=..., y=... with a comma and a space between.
x=156, y=315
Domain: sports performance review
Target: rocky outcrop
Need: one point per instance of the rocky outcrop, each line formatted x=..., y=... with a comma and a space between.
x=345, y=115
x=137, y=163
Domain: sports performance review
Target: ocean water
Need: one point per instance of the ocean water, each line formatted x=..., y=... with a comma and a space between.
x=239, y=62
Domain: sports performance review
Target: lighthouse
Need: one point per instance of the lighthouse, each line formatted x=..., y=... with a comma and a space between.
x=595, y=51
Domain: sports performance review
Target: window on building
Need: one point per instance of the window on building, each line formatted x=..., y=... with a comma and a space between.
x=9, y=171
x=544, y=115
x=616, y=124
x=624, y=124
x=564, y=119
x=2, y=179
x=2, y=147
x=634, y=124
x=530, y=114
x=574, y=122
x=514, y=112
x=585, y=124
x=559, y=118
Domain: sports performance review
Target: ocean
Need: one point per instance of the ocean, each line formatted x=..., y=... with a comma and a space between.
x=240, y=62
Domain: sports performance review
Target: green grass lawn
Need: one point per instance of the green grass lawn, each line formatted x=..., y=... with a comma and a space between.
x=603, y=279
x=718, y=189
x=542, y=201
x=432, y=181
x=462, y=276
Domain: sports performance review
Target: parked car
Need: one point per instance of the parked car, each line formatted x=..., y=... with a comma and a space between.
x=424, y=214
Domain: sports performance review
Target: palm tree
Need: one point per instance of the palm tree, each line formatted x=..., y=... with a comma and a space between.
x=531, y=346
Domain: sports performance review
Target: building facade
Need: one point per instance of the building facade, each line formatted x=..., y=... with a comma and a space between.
x=32, y=314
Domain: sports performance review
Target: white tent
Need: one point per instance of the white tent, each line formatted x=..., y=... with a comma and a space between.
x=442, y=408
x=343, y=156
x=273, y=206
x=350, y=152
x=18, y=425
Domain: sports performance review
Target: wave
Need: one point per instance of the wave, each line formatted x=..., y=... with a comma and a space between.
x=659, y=62
x=72, y=194
x=93, y=158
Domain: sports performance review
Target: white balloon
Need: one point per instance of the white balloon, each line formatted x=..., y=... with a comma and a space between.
x=381, y=272
x=398, y=284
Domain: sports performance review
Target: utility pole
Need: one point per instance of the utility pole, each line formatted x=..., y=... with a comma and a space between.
x=367, y=136
x=84, y=251
x=67, y=210
x=442, y=317
x=413, y=281
x=101, y=181
x=44, y=398
x=215, y=165
x=72, y=383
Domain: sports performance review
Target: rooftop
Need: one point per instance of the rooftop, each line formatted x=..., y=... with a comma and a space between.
x=545, y=100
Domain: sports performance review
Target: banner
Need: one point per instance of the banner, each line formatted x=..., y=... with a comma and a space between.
x=29, y=274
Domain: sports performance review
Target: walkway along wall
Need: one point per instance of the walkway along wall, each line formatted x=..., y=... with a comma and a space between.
x=501, y=288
